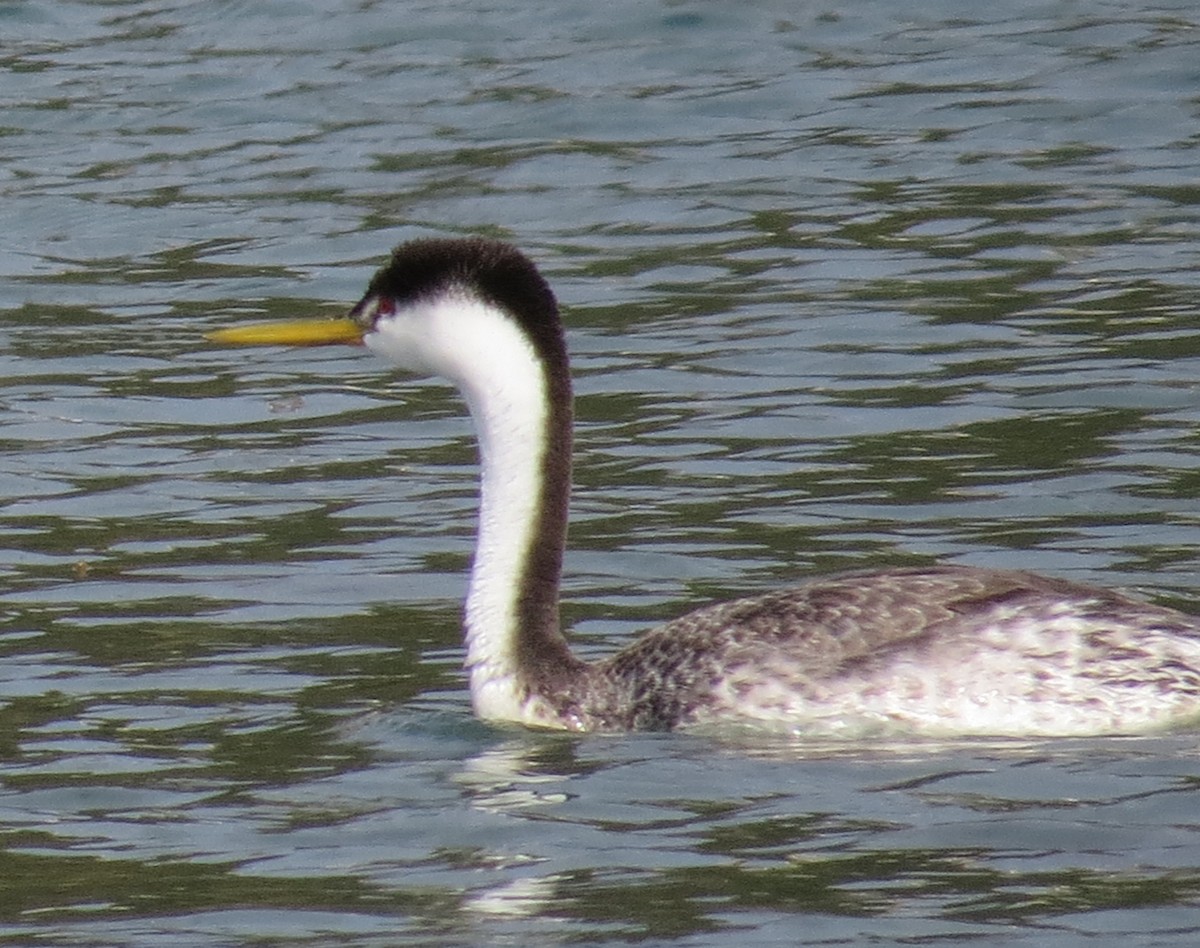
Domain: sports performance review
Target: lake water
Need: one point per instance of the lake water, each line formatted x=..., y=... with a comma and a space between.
x=855, y=287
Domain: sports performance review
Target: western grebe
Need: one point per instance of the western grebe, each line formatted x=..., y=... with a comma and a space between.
x=938, y=650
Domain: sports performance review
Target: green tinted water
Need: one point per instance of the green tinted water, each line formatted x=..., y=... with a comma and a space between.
x=844, y=288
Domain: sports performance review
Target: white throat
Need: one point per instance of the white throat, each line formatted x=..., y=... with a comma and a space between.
x=487, y=356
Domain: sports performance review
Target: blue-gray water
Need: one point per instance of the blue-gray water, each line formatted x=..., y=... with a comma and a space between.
x=846, y=287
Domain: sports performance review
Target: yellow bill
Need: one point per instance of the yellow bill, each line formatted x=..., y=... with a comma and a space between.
x=291, y=332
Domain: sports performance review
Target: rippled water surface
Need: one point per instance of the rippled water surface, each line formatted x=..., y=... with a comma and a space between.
x=854, y=285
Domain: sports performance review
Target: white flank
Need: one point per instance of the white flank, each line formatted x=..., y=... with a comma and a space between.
x=487, y=356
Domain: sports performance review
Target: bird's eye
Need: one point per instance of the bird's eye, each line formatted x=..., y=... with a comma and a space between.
x=385, y=306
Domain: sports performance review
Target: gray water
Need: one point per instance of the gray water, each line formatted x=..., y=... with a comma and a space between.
x=888, y=284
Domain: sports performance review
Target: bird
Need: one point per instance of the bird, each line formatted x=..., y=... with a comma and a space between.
x=939, y=650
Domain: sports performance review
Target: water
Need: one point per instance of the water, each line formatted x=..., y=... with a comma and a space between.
x=845, y=287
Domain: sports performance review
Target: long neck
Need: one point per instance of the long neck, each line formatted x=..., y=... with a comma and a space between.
x=515, y=648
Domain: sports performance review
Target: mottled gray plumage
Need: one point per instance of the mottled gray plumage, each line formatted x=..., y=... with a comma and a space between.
x=830, y=637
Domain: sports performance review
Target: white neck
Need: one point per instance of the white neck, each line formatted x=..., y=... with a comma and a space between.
x=485, y=354
x=509, y=419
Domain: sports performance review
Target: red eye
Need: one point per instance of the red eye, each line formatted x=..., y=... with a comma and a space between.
x=385, y=306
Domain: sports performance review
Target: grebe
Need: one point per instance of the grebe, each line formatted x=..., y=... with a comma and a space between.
x=944, y=650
